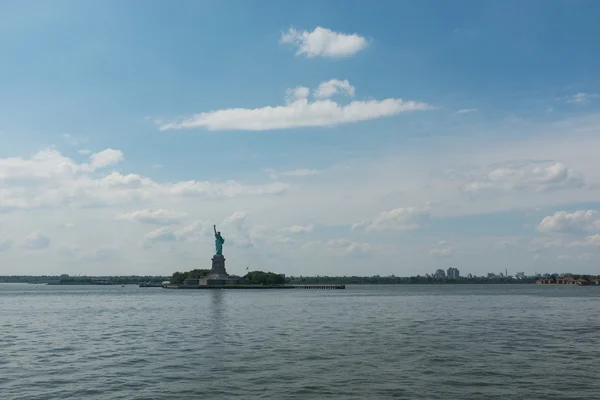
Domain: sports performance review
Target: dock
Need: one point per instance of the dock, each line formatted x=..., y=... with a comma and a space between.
x=258, y=287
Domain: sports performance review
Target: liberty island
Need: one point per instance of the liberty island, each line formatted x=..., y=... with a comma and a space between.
x=218, y=278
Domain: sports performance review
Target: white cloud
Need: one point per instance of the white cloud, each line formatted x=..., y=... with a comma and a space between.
x=194, y=231
x=84, y=152
x=466, y=111
x=332, y=87
x=50, y=180
x=133, y=181
x=540, y=176
x=407, y=218
x=297, y=112
x=157, y=217
x=296, y=229
x=158, y=235
x=242, y=236
x=105, y=158
x=236, y=217
x=223, y=190
x=295, y=94
x=296, y=173
x=582, y=98
x=36, y=241
x=575, y=222
x=323, y=42
x=46, y=164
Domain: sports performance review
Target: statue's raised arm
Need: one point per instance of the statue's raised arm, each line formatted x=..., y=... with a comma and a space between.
x=215, y=228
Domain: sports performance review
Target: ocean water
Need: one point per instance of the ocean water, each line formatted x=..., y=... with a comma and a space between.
x=375, y=342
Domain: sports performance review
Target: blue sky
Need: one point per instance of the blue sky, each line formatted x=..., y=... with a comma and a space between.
x=404, y=138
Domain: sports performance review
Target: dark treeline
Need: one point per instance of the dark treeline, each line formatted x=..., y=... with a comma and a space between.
x=265, y=278
x=82, y=280
x=260, y=277
x=179, y=277
x=357, y=280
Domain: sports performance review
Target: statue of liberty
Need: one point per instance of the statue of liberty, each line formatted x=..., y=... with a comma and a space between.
x=218, y=242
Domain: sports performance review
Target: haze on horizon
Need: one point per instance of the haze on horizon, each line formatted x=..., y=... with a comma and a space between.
x=332, y=138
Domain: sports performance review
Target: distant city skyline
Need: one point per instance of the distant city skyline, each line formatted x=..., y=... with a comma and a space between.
x=326, y=137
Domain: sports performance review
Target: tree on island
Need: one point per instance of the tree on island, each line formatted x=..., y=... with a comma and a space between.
x=258, y=277
x=265, y=278
x=179, y=277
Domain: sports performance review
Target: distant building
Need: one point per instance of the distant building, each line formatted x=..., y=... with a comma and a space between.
x=470, y=276
x=440, y=274
x=453, y=273
x=520, y=275
x=491, y=275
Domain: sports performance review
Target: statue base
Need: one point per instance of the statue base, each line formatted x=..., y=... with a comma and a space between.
x=218, y=276
x=218, y=267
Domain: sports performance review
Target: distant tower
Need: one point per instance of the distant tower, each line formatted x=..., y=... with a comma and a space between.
x=506, y=272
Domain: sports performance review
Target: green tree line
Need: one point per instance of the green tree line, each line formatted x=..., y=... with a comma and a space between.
x=259, y=277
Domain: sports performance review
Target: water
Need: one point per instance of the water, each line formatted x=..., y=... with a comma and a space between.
x=399, y=341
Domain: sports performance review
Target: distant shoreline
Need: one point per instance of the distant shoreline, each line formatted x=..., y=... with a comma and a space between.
x=321, y=280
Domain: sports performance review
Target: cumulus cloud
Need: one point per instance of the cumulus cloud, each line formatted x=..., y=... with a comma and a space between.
x=36, y=241
x=50, y=180
x=575, y=222
x=296, y=229
x=157, y=217
x=295, y=94
x=297, y=112
x=406, y=218
x=333, y=87
x=103, y=159
x=542, y=176
x=323, y=42
x=46, y=164
x=132, y=181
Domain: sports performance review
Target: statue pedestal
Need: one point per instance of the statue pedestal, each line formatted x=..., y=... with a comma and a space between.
x=218, y=267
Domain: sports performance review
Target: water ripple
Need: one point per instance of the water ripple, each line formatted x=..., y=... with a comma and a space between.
x=381, y=342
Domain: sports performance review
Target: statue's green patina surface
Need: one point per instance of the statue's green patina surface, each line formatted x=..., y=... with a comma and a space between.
x=218, y=242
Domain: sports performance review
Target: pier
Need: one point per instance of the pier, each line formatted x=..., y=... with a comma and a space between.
x=319, y=286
